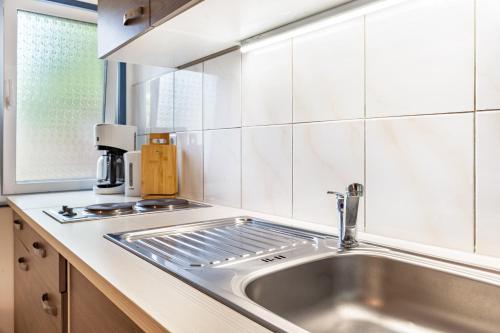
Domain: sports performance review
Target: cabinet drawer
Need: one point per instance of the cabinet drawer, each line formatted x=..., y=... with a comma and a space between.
x=45, y=260
x=22, y=231
x=21, y=280
x=38, y=307
x=119, y=22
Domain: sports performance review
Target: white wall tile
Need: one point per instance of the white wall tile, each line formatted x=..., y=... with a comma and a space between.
x=488, y=54
x=222, y=166
x=419, y=179
x=162, y=100
x=142, y=73
x=188, y=98
x=419, y=176
x=190, y=164
x=267, y=85
x=328, y=73
x=326, y=156
x=267, y=169
x=154, y=97
x=222, y=91
x=487, y=180
x=141, y=140
x=420, y=58
x=142, y=111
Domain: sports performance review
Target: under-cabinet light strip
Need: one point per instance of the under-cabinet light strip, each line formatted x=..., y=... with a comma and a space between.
x=316, y=22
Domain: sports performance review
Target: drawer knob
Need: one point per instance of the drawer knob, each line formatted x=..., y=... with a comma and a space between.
x=47, y=308
x=23, y=265
x=18, y=225
x=132, y=14
x=39, y=250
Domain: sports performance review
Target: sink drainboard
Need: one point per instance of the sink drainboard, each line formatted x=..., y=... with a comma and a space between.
x=214, y=242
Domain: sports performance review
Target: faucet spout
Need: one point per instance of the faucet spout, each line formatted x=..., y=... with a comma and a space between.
x=347, y=205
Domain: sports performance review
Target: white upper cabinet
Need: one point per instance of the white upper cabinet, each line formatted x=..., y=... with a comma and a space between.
x=209, y=27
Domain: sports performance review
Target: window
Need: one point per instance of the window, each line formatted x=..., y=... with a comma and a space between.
x=59, y=98
x=58, y=83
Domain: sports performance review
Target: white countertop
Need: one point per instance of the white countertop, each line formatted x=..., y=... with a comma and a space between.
x=172, y=303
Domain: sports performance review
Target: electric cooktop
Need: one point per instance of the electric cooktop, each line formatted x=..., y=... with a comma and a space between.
x=66, y=214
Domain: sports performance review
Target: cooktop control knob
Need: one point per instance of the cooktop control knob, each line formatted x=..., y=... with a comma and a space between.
x=67, y=211
x=63, y=209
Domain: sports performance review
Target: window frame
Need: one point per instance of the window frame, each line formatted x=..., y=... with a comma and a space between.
x=9, y=182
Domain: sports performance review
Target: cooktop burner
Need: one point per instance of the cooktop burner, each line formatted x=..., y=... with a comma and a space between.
x=111, y=208
x=162, y=203
x=108, y=210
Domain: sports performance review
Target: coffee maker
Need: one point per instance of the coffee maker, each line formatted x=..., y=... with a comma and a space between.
x=114, y=141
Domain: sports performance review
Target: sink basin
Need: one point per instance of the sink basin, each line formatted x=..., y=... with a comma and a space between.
x=294, y=280
x=369, y=293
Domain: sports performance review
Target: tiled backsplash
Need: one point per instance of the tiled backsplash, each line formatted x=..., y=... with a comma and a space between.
x=400, y=100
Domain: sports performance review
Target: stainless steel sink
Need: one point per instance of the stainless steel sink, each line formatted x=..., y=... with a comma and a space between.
x=293, y=280
x=370, y=293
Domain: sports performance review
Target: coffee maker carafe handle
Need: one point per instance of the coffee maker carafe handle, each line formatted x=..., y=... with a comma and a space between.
x=112, y=169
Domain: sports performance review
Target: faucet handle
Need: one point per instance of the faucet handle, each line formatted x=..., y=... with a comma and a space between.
x=352, y=190
x=338, y=194
x=340, y=200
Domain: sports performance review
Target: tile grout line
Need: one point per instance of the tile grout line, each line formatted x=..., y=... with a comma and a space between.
x=336, y=121
x=293, y=128
x=203, y=130
x=364, y=121
x=173, y=103
x=474, y=134
x=175, y=133
x=339, y=120
x=241, y=130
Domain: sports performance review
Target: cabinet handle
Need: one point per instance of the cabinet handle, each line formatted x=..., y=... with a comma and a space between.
x=18, y=225
x=23, y=265
x=49, y=309
x=132, y=14
x=39, y=250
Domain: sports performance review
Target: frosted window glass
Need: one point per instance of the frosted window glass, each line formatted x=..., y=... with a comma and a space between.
x=59, y=98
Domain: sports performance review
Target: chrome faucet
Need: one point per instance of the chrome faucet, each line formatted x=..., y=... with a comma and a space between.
x=347, y=205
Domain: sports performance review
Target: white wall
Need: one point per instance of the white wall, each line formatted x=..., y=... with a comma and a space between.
x=405, y=100
x=6, y=271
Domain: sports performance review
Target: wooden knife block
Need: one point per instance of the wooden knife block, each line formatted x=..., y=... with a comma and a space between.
x=158, y=171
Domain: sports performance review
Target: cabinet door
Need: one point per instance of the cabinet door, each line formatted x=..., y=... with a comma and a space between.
x=92, y=312
x=120, y=21
x=163, y=10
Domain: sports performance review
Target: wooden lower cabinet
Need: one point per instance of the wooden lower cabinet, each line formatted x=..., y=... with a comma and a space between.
x=49, y=299
x=40, y=298
x=92, y=312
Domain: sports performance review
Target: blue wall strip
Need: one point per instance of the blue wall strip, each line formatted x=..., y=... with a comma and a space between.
x=76, y=3
x=122, y=94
